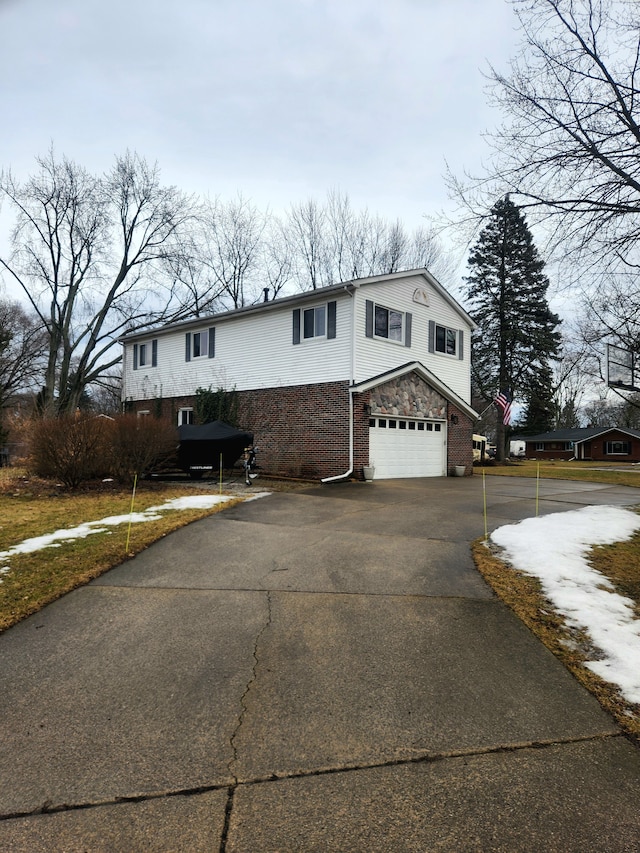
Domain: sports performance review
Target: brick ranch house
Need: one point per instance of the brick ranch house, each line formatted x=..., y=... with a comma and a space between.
x=601, y=444
x=375, y=370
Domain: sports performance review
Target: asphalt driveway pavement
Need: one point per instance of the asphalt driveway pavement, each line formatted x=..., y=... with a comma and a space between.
x=321, y=670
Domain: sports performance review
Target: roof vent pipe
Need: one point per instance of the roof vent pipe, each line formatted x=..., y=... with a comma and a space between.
x=265, y=294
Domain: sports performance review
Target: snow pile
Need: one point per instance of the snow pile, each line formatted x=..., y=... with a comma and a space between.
x=554, y=548
x=153, y=513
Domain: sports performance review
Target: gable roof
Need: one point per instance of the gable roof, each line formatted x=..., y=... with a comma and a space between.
x=577, y=435
x=424, y=373
x=301, y=299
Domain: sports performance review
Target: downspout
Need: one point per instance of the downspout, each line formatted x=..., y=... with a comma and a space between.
x=349, y=472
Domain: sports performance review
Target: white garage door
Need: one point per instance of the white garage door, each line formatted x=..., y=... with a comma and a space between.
x=406, y=448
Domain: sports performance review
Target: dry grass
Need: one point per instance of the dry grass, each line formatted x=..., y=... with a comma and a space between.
x=619, y=562
x=31, y=507
x=592, y=472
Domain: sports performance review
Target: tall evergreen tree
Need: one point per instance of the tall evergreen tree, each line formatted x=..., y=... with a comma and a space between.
x=539, y=414
x=517, y=333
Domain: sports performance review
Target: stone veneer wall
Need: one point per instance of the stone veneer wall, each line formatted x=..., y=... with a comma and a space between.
x=408, y=397
x=411, y=397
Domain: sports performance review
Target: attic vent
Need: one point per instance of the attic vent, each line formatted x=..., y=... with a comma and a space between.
x=421, y=296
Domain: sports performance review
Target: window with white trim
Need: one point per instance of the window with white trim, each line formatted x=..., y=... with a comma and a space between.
x=146, y=354
x=388, y=323
x=617, y=448
x=314, y=322
x=319, y=321
x=446, y=340
x=201, y=344
x=185, y=416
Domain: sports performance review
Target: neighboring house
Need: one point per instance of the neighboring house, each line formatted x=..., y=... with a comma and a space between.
x=603, y=444
x=375, y=370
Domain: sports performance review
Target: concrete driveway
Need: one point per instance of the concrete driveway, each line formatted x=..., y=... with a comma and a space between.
x=313, y=671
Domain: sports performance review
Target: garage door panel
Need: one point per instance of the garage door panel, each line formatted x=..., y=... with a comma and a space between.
x=397, y=450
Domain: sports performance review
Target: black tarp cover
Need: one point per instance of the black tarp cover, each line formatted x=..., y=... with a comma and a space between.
x=201, y=446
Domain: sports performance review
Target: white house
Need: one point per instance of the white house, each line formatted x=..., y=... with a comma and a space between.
x=375, y=370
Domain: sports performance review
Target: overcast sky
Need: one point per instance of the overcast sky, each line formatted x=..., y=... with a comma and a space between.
x=279, y=99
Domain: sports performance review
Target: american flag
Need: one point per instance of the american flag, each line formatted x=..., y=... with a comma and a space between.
x=503, y=402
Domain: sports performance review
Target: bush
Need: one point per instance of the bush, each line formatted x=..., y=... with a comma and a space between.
x=70, y=448
x=137, y=445
x=217, y=405
x=81, y=447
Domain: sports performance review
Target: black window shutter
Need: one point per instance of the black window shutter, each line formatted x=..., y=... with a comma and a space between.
x=154, y=352
x=212, y=342
x=407, y=330
x=368, y=324
x=432, y=335
x=296, y=325
x=187, y=347
x=331, y=319
x=135, y=356
x=460, y=344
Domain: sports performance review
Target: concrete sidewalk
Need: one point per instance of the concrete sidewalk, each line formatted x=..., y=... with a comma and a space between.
x=314, y=671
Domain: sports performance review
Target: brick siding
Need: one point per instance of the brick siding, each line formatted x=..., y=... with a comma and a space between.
x=303, y=430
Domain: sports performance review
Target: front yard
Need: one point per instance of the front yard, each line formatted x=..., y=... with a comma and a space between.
x=618, y=563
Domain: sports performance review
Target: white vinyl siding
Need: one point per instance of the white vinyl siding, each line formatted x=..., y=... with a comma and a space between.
x=375, y=356
x=266, y=348
x=251, y=351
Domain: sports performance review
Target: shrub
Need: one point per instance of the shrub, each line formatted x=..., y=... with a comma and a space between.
x=137, y=445
x=217, y=405
x=70, y=448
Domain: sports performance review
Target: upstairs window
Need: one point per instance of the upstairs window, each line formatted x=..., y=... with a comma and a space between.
x=145, y=355
x=314, y=322
x=387, y=323
x=446, y=340
x=185, y=416
x=200, y=344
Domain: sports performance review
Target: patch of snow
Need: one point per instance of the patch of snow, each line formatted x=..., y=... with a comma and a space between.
x=554, y=548
x=153, y=513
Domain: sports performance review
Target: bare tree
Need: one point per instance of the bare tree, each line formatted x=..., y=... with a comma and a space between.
x=195, y=289
x=82, y=246
x=570, y=144
x=105, y=394
x=232, y=248
x=306, y=234
x=23, y=345
x=570, y=382
x=277, y=263
x=332, y=242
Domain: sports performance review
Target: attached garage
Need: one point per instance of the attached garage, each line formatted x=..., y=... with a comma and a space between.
x=407, y=447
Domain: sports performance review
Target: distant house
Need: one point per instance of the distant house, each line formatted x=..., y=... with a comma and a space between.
x=375, y=370
x=603, y=444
